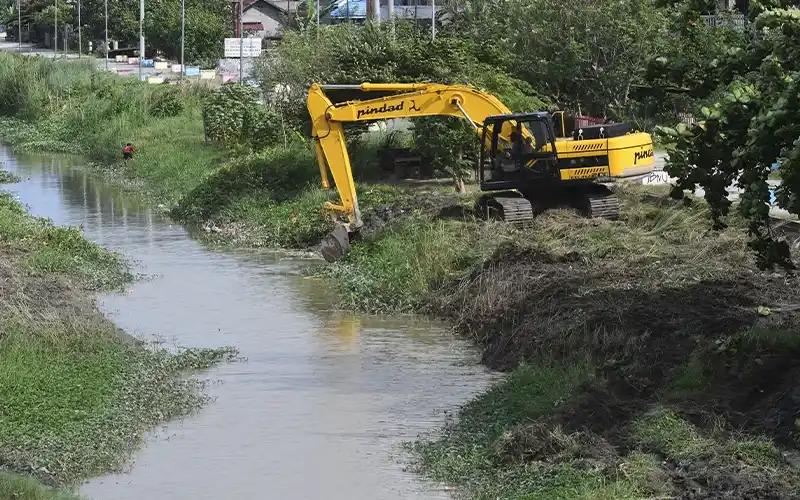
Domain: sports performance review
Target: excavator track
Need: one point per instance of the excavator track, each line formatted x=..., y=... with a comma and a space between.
x=602, y=206
x=507, y=208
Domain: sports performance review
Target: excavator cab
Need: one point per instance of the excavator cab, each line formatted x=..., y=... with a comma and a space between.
x=517, y=149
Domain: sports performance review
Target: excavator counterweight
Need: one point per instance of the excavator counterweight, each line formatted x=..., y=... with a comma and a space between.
x=522, y=162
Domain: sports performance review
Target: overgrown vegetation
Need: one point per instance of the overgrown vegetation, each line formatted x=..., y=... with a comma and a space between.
x=74, y=108
x=646, y=355
x=7, y=177
x=749, y=125
x=76, y=394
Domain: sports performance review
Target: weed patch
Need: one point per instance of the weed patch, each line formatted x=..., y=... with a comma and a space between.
x=25, y=488
x=7, y=177
x=693, y=389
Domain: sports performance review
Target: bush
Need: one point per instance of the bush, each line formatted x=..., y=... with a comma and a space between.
x=233, y=116
x=165, y=102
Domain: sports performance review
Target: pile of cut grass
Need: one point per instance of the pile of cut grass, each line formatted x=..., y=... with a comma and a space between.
x=511, y=443
x=663, y=361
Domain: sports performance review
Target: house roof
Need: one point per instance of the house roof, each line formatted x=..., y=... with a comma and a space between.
x=280, y=5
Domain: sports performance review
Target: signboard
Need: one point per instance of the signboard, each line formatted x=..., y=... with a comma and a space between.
x=349, y=9
x=250, y=47
x=192, y=71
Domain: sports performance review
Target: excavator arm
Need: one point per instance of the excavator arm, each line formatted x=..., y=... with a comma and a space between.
x=410, y=101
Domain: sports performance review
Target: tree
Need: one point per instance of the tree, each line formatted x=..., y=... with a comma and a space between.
x=586, y=54
x=751, y=125
x=207, y=24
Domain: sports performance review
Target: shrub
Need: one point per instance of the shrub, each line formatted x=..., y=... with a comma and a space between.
x=165, y=102
x=233, y=116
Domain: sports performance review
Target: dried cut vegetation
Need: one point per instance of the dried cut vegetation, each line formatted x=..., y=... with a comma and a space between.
x=681, y=360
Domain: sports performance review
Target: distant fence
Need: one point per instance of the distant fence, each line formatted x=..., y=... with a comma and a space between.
x=734, y=21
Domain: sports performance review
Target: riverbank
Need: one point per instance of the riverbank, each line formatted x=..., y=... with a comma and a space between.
x=78, y=394
x=649, y=357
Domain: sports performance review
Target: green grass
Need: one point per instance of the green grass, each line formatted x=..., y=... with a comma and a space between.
x=16, y=487
x=76, y=108
x=77, y=398
x=476, y=450
x=692, y=377
x=771, y=338
x=52, y=249
x=398, y=268
x=664, y=431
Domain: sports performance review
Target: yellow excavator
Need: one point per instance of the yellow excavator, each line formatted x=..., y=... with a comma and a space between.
x=523, y=164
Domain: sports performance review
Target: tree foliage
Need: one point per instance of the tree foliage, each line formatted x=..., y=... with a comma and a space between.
x=585, y=54
x=234, y=117
x=206, y=23
x=751, y=124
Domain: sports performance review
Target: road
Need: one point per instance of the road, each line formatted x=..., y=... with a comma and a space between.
x=122, y=69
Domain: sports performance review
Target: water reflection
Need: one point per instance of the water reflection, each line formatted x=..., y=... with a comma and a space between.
x=324, y=398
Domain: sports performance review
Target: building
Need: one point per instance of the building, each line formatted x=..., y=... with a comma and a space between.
x=420, y=10
x=267, y=18
x=264, y=18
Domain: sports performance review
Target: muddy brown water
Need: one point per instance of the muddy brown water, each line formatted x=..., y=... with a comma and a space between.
x=324, y=400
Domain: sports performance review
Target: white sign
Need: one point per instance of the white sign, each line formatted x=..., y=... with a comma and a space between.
x=249, y=47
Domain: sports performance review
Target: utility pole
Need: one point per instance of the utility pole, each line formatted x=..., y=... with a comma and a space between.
x=55, y=33
x=141, y=38
x=106, y=50
x=80, y=39
x=241, y=40
x=19, y=24
x=318, y=15
x=433, y=19
x=183, y=38
x=390, y=15
x=375, y=7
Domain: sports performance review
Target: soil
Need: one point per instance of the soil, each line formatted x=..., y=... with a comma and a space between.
x=524, y=305
x=430, y=203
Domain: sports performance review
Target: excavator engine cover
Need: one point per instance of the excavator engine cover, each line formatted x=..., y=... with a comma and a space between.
x=605, y=131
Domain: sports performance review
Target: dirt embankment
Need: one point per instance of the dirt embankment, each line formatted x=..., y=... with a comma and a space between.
x=669, y=313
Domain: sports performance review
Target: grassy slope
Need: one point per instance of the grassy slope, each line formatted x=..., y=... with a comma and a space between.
x=76, y=395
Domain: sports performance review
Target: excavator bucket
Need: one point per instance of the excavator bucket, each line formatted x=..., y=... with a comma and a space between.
x=336, y=245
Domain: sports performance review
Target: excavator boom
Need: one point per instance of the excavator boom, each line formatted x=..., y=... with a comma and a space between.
x=412, y=100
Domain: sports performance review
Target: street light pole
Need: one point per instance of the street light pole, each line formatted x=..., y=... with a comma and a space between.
x=241, y=40
x=19, y=24
x=55, y=33
x=106, y=51
x=317, y=14
x=141, y=37
x=433, y=19
x=80, y=39
x=183, y=38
